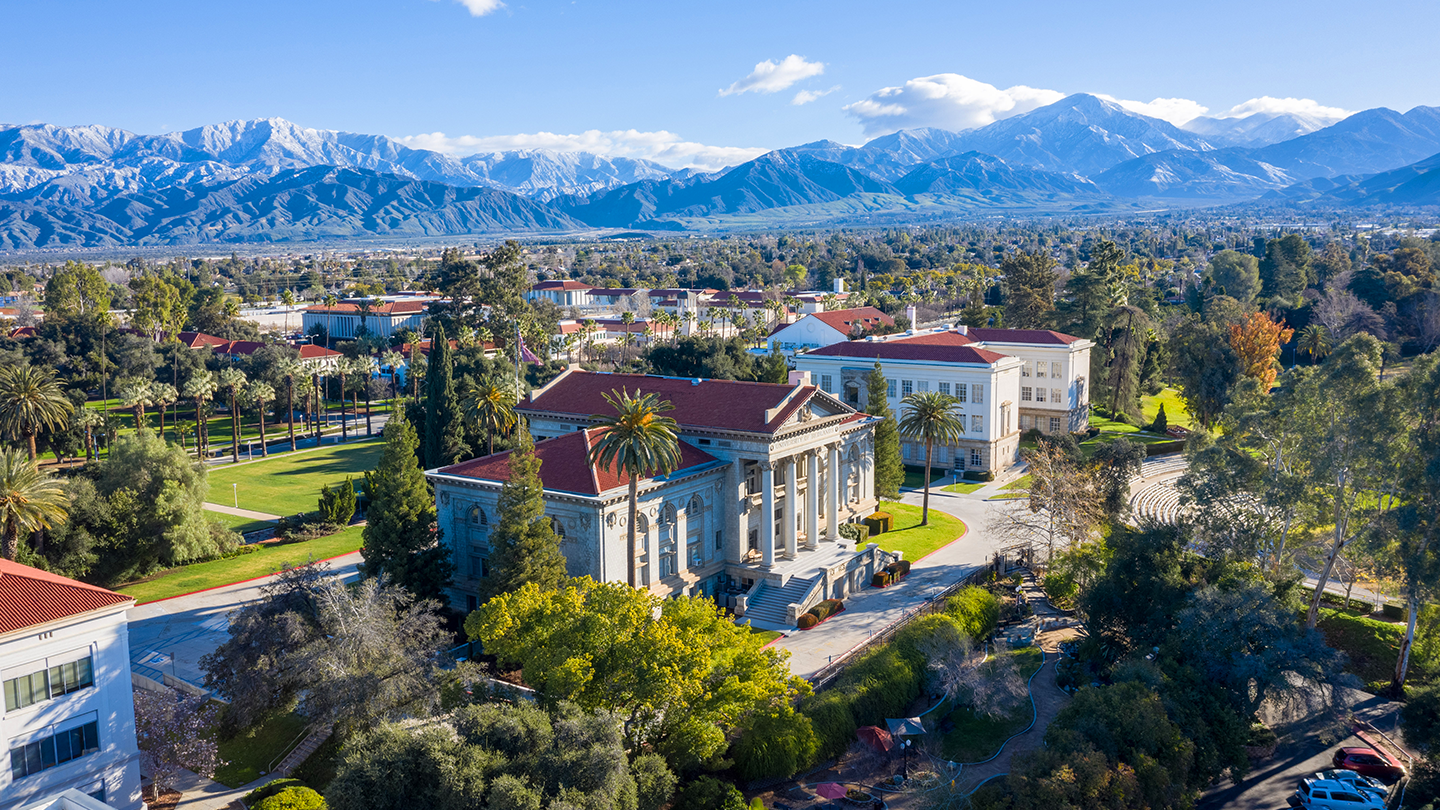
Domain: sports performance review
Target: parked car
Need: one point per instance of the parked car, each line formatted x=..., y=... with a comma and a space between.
x=1334, y=794
x=1357, y=780
x=1370, y=762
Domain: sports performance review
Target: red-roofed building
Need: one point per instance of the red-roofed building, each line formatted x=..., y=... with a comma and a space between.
x=1005, y=381
x=563, y=292
x=825, y=328
x=768, y=474
x=382, y=316
x=69, y=715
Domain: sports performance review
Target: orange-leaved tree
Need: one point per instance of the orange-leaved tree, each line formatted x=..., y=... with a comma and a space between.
x=1257, y=341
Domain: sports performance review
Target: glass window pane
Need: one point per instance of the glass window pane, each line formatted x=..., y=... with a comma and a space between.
x=17, y=762
x=12, y=699
x=57, y=681
x=39, y=687
x=47, y=753
x=85, y=675
x=63, y=753
x=92, y=738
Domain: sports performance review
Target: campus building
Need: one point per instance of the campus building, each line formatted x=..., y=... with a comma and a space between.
x=563, y=292
x=768, y=474
x=69, y=712
x=1007, y=381
x=381, y=316
x=820, y=329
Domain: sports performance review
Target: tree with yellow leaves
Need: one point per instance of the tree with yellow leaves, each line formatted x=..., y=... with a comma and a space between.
x=1257, y=341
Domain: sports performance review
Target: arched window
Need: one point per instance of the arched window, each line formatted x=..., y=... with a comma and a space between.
x=696, y=506
x=477, y=517
x=558, y=527
x=667, y=515
x=642, y=523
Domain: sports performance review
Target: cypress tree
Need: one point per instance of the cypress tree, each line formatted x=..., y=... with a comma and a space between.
x=401, y=539
x=524, y=547
x=443, y=430
x=889, y=469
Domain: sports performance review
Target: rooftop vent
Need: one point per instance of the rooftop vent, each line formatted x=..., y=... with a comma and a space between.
x=695, y=381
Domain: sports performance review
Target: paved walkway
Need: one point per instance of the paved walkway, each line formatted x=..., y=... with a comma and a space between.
x=245, y=513
x=199, y=793
x=872, y=609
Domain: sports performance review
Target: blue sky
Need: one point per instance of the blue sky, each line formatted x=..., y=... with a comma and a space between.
x=646, y=78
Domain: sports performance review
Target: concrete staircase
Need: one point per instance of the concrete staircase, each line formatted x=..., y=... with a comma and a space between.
x=767, y=606
x=316, y=738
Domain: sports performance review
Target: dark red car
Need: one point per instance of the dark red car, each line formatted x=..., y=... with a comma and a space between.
x=1369, y=762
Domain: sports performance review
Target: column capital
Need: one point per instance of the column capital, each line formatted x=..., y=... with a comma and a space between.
x=767, y=465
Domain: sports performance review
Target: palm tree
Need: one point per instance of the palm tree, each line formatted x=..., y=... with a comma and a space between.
x=342, y=369
x=232, y=380
x=589, y=338
x=364, y=368
x=1315, y=341
x=30, y=399
x=320, y=418
x=330, y=301
x=201, y=388
x=29, y=500
x=89, y=421
x=393, y=360
x=626, y=318
x=289, y=369
x=930, y=417
x=491, y=404
x=260, y=393
x=287, y=297
x=637, y=441
x=135, y=395
x=163, y=394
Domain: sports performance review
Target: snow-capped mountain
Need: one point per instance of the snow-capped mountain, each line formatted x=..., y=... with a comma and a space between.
x=1257, y=129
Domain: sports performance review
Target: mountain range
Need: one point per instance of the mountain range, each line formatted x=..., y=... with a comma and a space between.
x=271, y=180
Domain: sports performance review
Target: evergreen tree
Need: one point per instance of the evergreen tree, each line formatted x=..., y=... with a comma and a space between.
x=401, y=539
x=1161, y=423
x=524, y=545
x=776, y=369
x=443, y=428
x=337, y=505
x=889, y=469
x=1029, y=289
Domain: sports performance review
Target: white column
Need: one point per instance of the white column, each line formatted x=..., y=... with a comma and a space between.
x=682, y=538
x=812, y=500
x=767, y=513
x=832, y=500
x=791, y=496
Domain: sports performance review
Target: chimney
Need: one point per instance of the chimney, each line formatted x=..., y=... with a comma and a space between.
x=799, y=378
x=963, y=329
x=912, y=314
x=839, y=286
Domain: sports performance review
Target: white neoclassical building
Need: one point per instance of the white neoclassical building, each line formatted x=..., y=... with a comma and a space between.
x=69, y=712
x=1007, y=381
x=769, y=472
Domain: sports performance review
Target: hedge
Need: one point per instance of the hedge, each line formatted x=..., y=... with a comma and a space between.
x=880, y=522
x=269, y=789
x=898, y=569
x=826, y=609
x=978, y=475
x=806, y=621
x=1162, y=448
x=293, y=798
x=881, y=579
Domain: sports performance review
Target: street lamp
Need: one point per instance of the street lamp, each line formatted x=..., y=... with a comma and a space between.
x=235, y=488
x=905, y=761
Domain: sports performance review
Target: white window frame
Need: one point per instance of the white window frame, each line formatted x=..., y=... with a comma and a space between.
x=977, y=423
x=1026, y=393
x=977, y=393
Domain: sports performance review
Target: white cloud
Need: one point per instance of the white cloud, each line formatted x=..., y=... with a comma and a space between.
x=1297, y=106
x=663, y=147
x=479, y=8
x=946, y=101
x=770, y=77
x=807, y=96
x=1175, y=110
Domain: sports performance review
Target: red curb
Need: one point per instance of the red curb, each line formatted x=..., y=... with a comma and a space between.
x=237, y=582
x=773, y=640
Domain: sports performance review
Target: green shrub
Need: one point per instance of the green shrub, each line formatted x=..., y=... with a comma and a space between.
x=854, y=532
x=978, y=475
x=832, y=721
x=976, y=610
x=880, y=522
x=898, y=569
x=1163, y=448
x=776, y=743
x=293, y=798
x=806, y=621
x=880, y=580
x=709, y=793
x=1061, y=588
x=337, y=505
x=269, y=789
x=1395, y=612
x=826, y=609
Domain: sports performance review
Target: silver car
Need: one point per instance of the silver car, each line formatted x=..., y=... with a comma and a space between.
x=1335, y=794
x=1359, y=781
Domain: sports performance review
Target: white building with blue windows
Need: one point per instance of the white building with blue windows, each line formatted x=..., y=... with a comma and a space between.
x=69, y=712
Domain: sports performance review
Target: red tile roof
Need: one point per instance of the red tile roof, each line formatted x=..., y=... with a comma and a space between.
x=387, y=308
x=843, y=320
x=29, y=596
x=722, y=404
x=199, y=340
x=22, y=332
x=311, y=351
x=243, y=348
x=561, y=284
x=934, y=347
x=1043, y=336
x=564, y=465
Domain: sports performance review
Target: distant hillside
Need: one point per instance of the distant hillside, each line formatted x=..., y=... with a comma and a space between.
x=1415, y=185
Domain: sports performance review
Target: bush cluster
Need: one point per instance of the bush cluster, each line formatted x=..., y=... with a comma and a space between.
x=880, y=579
x=854, y=532
x=880, y=522
x=293, y=798
x=898, y=569
x=269, y=789
x=806, y=621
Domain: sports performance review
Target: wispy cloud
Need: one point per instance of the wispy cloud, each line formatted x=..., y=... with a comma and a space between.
x=807, y=96
x=1296, y=106
x=946, y=101
x=772, y=77
x=479, y=8
x=663, y=147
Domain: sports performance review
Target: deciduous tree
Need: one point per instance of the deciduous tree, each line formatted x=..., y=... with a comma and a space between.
x=1257, y=343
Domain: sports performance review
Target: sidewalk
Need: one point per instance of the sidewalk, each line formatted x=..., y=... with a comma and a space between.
x=245, y=513
x=199, y=793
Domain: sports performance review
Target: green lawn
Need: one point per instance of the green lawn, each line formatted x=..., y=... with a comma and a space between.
x=964, y=489
x=915, y=476
x=219, y=424
x=766, y=636
x=200, y=576
x=290, y=483
x=1370, y=644
x=238, y=524
x=913, y=539
x=1021, y=483
x=1175, y=412
x=973, y=737
x=248, y=754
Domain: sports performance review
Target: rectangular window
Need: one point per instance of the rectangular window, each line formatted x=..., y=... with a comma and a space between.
x=1025, y=370
x=977, y=394
x=825, y=384
x=667, y=559
x=1055, y=395
x=1025, y=393
x=1054, y=371
x=890, y=388
x=905, y=450
x=975, y=459
x=924, y=385
x=906, y=388
x=47, y=752
x=1039, y=394
x=1054, y=424
x=960, y=391
x=719, y=541
x=1025, y=422
x=694, y=553
x=1039, y=368
x=54, y=682
x=945, y=388
x=977, y=423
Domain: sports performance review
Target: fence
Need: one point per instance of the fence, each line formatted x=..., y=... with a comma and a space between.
x=827, y=674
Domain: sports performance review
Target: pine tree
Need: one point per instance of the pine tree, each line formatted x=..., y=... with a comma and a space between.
x=1161, y=423
x=775, y=369
x=524, y=545
x=401, y=540
x=443, y=428
x=337, y=505
x=889, y=469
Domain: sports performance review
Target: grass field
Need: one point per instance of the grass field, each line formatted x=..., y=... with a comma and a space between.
x=1175, y=413
x=290, y=483
x=238, y=524
x=766, y=636
x=213, y=574
x=972, y=737
x=915, y=476
x=913, y=539
x=964, y=489
x=247, y=755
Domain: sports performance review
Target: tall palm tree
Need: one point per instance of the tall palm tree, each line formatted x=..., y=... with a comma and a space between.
x=637, y=441
x=163, y=394
x=364, y=370
x=318, y=390
x=588, y=338
x=342, y=370
x=89, y=422
x=626, y=318
x=1315, y=341
x=232, y=380
x=201, y=388
x=330, y=301
x=289, y=369
x=261, y=392
x=411, y=370
x=393, y=360
x=30, y=399
x=930, y=417
x=135, y=395
x=287, y=298
x=29, y=500
x=491, y=404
